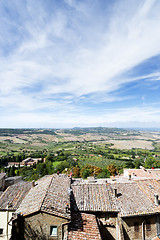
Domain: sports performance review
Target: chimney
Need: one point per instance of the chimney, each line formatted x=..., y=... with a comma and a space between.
x=115, y=192
x=156, y=199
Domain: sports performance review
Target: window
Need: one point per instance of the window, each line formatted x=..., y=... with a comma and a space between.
x=53, y=230
x=148, y=226
x=1, y=231
x=136, y=226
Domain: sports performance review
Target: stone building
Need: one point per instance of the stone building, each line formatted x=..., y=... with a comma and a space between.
x=9, y=202
x=142, y=173
x=123, y=210
x=45, y=212
x=59, y=207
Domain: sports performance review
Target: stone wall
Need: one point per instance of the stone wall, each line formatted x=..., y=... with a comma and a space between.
x=37, y=226
x=108, y=225
x=84, y=226
x=132, y=231
x=139, y=227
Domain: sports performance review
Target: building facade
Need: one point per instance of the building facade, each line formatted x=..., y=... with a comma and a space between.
x=9, y=202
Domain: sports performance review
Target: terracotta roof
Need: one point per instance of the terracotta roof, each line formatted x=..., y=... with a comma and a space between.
x=93, y=197
x=51, y=194
x=83, y=227
x=150, y=188
x=134, y=198
x=13, y=195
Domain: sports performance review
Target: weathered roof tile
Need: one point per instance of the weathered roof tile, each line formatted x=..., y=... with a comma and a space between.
x=13, y=195
x=50, y=194
x=134, y=198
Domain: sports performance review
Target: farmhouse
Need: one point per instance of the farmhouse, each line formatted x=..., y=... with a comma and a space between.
x=30, y=161
x=26, y=162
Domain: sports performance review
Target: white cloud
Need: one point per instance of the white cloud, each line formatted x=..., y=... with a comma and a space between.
x=75, y=52
x=131, y=117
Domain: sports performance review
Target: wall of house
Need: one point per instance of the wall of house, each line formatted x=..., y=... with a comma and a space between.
x=110, y=230
x=12, y=180
x=5, y=216
x=2, y=183
x=39, y=225
x=108, y=225
x=131, y=233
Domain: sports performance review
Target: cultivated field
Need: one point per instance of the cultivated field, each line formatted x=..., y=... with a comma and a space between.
x=129, y=144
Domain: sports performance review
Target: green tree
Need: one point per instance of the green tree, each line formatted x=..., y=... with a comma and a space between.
x=86, y=173
x=104, y=174
x=11, y=171
x=149, y=162
x=156, y=164
x=137, y=163
x=62, y=166
x=129, y=164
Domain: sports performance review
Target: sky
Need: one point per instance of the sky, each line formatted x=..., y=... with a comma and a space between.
x=79, y=63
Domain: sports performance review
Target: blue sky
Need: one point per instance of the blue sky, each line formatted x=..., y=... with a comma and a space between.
x=79, y=63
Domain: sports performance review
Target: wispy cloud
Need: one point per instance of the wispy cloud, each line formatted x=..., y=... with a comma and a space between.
x=69, y=55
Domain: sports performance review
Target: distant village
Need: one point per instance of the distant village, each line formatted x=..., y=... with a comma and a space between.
x=60, y=207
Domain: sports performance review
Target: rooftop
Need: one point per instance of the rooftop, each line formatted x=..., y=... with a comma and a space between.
x=93, y=197
x=132, y=200
x=143, y=173
x=56, y=195
x=13, y=195
x=104, y=197
x=51, y=194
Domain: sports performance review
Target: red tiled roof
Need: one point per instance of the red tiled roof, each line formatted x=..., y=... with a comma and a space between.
x=83, y=227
